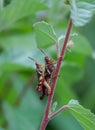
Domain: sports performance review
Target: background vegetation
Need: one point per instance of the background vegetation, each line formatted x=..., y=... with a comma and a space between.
x=20, y=106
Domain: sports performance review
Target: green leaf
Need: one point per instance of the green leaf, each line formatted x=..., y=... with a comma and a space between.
x=84, y=116
x=81, y=12
x=18, y=9
x=27, y=116
x=1, y=128
x=18, y=41
x=71, y=73
x=17, y=59
x=45, y=35
x=63, y=91
x=82, y=46
x=53, y=107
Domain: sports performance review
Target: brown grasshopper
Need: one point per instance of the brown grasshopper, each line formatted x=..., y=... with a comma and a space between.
x=49, y=69
x=42, y=83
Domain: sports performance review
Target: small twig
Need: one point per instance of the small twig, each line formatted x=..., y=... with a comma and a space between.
x=58, y=48
x=58, y=111
x=49, y=101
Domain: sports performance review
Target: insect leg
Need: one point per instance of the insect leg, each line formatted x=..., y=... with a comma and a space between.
x=48, y=87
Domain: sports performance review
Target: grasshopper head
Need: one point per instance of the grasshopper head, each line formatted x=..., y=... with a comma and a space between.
x=38, y=65
x=48, y=60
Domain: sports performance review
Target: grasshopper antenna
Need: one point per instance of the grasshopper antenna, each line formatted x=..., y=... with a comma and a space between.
x=42, y=51
x=32, y=59
x=38, y=65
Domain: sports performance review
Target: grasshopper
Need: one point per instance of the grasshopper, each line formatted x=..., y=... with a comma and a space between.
x=49, y=69
x=42, y=83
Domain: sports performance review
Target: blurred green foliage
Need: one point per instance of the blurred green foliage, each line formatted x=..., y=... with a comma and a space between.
x=20, y=106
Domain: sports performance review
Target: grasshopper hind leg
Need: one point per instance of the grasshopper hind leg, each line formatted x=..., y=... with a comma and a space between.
x=42, y=93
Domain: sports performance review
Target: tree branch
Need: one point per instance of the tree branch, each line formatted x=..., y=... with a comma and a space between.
x=49, y=101
x=58, y=48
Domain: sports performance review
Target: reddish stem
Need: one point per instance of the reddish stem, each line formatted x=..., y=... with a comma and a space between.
x=58, y=111
x=58, y=48
x=48, y=105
